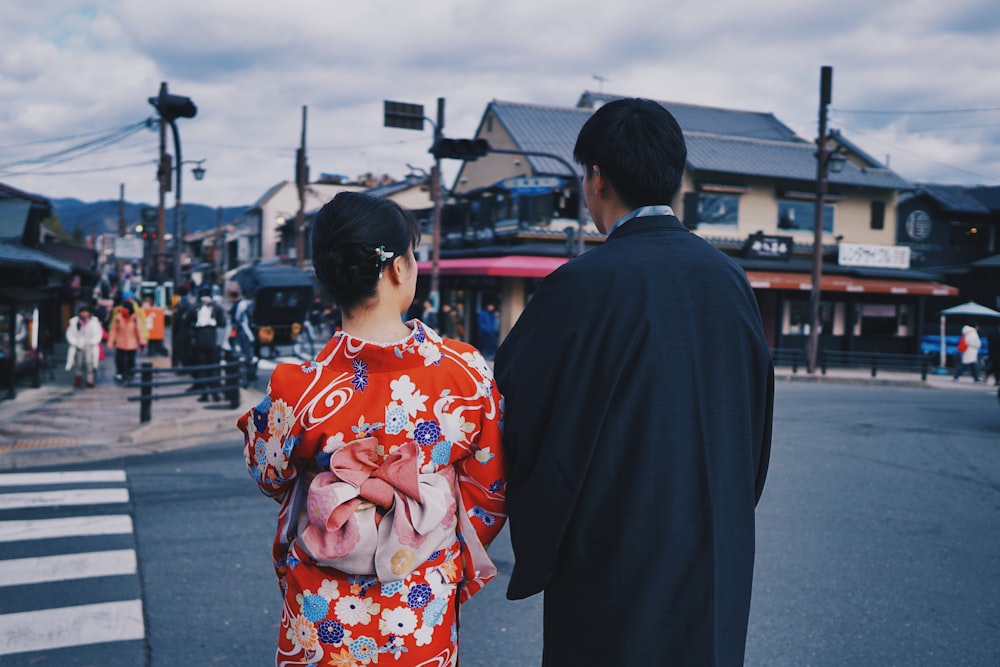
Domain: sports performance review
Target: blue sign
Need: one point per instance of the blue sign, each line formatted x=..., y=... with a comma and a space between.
x=526, y=185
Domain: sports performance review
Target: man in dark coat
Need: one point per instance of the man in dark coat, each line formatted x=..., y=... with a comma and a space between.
x=181, y=328
x=639, y=390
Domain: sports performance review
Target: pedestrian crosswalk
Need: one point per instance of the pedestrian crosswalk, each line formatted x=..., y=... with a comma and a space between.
x=68, y=566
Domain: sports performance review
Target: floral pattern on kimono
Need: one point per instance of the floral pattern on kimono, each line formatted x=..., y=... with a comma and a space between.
x=438, y=393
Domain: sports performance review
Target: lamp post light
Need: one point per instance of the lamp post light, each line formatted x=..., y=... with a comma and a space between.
x=826, y=161
x=199, y=171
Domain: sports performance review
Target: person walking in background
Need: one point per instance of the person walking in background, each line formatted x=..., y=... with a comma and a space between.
x=384, y=453
x=126, y=337
x=84, y=336
x=241, y=333
x=450, y=325
x=209, y=320
x=180, y=328
x=430, y=315
x=487, y=326
x=129, y=297
x=639, y=390
x=968, y=347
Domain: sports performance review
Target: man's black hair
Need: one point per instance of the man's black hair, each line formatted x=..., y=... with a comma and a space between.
x=639, y=148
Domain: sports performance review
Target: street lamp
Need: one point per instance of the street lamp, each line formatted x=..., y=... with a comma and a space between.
x=171, y=107
x=826, y=161
x=199, y=171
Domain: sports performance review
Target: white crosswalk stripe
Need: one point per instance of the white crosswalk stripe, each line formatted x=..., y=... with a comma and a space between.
x=50, y=526
x=71, y=626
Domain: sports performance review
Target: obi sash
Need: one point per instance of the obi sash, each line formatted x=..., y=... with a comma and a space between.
x=365, y=517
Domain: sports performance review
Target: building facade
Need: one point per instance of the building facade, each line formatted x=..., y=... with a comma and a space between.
x=749, y=188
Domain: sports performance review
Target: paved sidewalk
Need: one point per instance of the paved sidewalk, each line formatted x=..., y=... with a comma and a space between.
x=58, y=423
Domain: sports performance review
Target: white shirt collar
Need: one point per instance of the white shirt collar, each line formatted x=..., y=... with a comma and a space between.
x=641, y=212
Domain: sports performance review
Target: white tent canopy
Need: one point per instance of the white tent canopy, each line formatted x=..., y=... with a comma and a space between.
x=970, y=309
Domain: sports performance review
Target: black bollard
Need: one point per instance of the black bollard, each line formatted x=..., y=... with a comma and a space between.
x=146, y=392
x=234, y=365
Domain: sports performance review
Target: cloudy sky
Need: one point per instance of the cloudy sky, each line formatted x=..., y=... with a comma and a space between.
x=915, y=82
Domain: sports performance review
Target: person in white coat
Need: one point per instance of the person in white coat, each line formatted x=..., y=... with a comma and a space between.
x=970, y=355
x=84, y=335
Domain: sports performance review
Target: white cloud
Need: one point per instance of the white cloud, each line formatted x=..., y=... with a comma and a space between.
x=73, y=68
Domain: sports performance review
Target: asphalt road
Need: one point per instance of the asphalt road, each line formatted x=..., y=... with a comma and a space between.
x=877, y=545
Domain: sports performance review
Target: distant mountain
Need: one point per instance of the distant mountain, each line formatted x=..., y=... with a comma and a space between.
x=102, y=216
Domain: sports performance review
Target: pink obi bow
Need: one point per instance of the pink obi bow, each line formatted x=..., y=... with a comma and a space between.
x=365, y=517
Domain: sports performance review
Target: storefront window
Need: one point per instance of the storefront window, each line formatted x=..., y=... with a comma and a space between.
x=882, y=319
x=797, y=317
x=718, y=209
x=798, y=215
x=25, y=321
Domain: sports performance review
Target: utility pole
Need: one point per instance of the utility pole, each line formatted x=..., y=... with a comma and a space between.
x=178, y=211
x=219, y=262
x=435, y=291
x=119, y=264
x=825, y=97
x=301, y=182
x=163, y=174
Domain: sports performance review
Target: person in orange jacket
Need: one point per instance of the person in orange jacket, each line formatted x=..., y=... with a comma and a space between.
x=127, y=337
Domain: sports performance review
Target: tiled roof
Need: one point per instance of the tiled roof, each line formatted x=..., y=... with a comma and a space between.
x=951, y=198
x=543, y=129
x=13, y=253
x=713, y=120
x=389, y=189
x=719, y=141
x=988, y=196
x=786, y=160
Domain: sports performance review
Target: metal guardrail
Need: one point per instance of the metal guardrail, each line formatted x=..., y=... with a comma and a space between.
x=874, y=361
x=225, y=379
x=793, y=357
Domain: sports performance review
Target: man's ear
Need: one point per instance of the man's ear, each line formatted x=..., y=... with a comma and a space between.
x=599, y=183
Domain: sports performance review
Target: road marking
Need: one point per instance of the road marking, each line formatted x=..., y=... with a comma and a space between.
x=62, y=498
x=37, y=570
x=71, y=626
x=43, y=529
x=70, y=477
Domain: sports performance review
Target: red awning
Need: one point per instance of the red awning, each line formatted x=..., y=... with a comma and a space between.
x=835, y=283
x=511, y=266
x=525, y=266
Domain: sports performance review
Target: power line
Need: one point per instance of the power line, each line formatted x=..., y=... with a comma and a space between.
x=52, y=140
x=291, y=149
x=922, y=157
x=79, y=171
x=908, y=112
x=80, y=150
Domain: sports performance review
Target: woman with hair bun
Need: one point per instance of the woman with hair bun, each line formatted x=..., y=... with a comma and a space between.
x=385, y=455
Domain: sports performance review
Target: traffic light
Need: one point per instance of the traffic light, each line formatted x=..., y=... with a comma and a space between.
x=172, y=107
x=460, y=149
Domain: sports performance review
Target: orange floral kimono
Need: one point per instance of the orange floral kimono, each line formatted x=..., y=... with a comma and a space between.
x=340, y=442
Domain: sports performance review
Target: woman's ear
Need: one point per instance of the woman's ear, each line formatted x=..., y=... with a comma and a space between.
x=398, y=268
